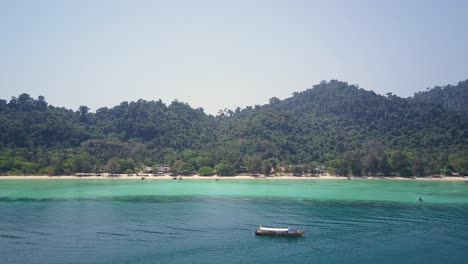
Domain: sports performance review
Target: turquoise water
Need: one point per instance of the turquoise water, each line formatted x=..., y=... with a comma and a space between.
x=204, y=221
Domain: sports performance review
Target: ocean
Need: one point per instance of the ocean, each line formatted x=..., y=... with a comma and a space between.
x=207, y=221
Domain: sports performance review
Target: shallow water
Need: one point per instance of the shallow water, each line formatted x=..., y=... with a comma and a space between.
x=203, y=221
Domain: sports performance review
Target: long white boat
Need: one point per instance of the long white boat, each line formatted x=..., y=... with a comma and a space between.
x=268, y=231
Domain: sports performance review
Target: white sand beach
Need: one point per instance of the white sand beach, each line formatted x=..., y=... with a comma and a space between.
x=238, y=177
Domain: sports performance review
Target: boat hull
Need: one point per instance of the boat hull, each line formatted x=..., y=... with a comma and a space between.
x=270, y=233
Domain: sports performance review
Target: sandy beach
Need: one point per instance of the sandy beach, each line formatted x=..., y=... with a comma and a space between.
x=239, y=177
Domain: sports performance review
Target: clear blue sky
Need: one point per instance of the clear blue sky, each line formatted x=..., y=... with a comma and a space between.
x=222, y=54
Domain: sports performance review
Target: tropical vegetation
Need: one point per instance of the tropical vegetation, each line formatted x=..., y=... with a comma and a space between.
x=333, y=126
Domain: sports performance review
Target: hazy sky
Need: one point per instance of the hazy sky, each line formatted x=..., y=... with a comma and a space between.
x=223, y=54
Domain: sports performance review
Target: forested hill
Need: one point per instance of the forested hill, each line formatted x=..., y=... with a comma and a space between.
x=333, y=118
x=341, y=127
x=451, y=98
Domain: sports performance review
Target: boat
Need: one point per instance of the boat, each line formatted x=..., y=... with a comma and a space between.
x=268, y=231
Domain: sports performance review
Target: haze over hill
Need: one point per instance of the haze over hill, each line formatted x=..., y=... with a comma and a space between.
x=340, y=126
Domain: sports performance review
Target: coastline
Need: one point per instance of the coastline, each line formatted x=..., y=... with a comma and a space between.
x=239, y=177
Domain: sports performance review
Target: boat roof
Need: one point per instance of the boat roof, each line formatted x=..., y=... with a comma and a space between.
x=274, y=229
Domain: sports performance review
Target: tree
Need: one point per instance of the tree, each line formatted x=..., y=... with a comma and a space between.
x=459, y=164
x=206, y=171
x=419, y=166
x=187, y=168
x=41, y=103
x=297, y=170
x=274, y=100
x=113, y=166
x=178, y=166
x=126, y=165
x=266, y=167
x=354, y=160
x=338, y=167
x=254, y=164
x=25, y=102
x=56, y=164
x=401, y=163
x=128, y=171
x=225, y=169
x=370, y=164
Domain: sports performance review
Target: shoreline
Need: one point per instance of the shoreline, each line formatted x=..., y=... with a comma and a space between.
x=240, y=177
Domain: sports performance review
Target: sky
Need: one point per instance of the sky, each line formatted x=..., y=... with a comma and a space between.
x=224, y=54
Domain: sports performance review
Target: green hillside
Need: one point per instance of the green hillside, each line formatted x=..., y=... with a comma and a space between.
x=342, y=127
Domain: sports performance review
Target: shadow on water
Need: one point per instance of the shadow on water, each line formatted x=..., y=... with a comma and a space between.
x=153, y=232
x=10, y=236
x=247, y=199
x=111, y=234
x=282, y=240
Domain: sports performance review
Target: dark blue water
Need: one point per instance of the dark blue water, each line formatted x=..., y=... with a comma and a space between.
x=219, y=229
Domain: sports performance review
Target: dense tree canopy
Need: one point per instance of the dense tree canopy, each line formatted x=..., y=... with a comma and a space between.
x=335, y=126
